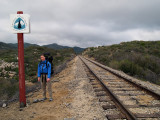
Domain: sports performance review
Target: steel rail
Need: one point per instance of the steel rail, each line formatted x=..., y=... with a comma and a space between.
x=120, y=105
x=151, y=92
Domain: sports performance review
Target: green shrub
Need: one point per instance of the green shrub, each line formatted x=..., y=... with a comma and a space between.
x=130, y=67
x=135, y=58
x=114, y=64
x=8, y=88
x=8, y=68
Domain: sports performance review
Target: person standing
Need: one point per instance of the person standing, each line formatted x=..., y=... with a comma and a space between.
x=44, y=76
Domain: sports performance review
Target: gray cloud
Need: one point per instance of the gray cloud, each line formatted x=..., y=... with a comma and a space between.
x=84, y=23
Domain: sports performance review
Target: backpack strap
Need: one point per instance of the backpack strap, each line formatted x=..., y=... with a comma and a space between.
x=47, y=63
x=44, y=63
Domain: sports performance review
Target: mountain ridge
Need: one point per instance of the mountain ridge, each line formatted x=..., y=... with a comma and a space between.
x=4, y=46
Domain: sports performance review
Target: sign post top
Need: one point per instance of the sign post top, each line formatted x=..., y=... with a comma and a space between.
x=19, y=12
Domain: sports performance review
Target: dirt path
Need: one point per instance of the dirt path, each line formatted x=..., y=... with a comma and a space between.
x=73, y=98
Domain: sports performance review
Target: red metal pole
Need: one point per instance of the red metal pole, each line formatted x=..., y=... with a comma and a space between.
x=22, y=96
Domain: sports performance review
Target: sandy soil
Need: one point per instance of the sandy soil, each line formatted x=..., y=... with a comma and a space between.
x=73, y=98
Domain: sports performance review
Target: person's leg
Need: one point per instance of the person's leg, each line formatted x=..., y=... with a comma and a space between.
x=49, y=89
x=43, y=86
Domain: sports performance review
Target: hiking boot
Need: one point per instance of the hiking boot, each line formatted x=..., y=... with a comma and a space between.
x=36, y=100
x=51, y=99
x=43, y=99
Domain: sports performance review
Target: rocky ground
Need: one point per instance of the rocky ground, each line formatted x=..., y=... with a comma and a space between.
x=74, y=99
x=11, y=65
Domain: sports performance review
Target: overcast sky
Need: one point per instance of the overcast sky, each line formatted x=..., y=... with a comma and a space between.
x=83, y=23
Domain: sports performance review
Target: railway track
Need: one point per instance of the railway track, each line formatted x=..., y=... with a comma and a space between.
x=122, y=98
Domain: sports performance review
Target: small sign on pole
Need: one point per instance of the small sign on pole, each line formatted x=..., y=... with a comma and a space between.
x=20, y=24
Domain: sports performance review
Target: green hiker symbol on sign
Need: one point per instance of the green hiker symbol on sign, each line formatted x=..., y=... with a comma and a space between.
x=19, y=24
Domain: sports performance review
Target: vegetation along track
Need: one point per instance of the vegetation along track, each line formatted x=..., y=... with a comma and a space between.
x=121, y=98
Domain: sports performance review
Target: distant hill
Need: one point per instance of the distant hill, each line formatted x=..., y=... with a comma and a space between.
x=4, y=46
x=57, y=47
x=14, y=45
x=53, y=46
x=140, y=59
x=78, y=49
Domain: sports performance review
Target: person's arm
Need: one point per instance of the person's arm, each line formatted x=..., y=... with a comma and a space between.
x=49, y=70
x=39, y=72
